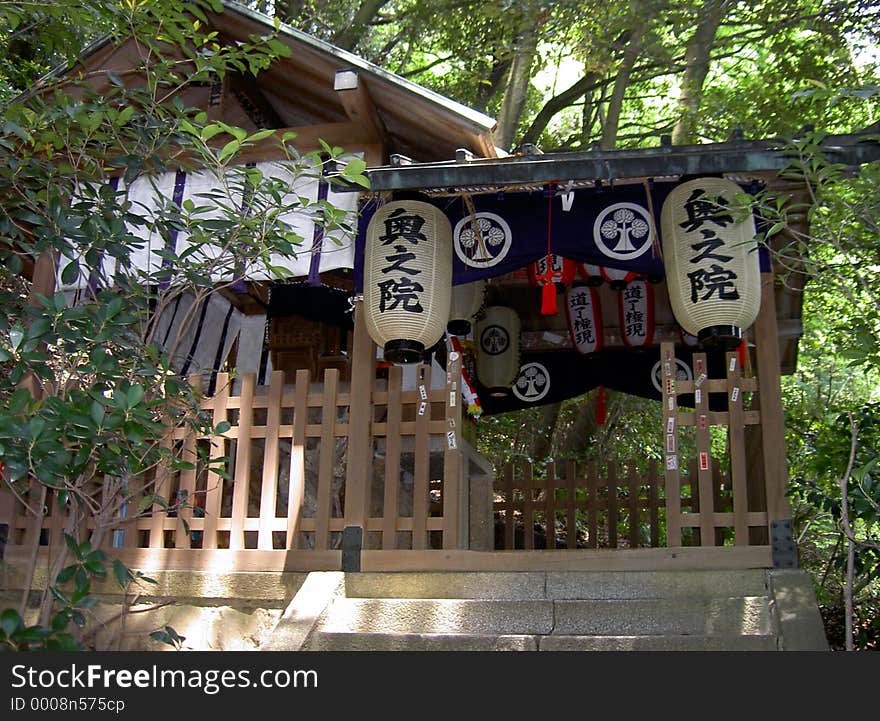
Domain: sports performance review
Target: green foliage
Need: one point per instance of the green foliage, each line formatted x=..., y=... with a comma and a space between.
x=87, y=393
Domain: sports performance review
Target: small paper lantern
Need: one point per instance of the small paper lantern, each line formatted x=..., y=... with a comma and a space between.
x=497, y=337
x=407, y=278
x=584, y=319
x=636, y=306
x=711, y=258
x=618, y=279
x=467, y=299
x=545, y=273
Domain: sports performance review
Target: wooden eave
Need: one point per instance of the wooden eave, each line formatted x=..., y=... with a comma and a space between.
x=420, y=124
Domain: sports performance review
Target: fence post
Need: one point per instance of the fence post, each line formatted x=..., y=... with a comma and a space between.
x=359, y=463
x=455, y=487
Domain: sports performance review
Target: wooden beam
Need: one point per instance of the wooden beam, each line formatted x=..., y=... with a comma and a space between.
x=261, y=112
x=770, y=394
x=359, y=107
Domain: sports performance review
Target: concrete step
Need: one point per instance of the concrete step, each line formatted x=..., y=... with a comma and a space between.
x=421, y=642
x=437, y=616
x=729, y=617
x=757, y=642
x=534, y=586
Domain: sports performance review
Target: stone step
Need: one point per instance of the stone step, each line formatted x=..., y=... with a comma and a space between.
x=437, y=616
x=756, y=642
x=536, y=586
x=640, y=617
x=727, y=617
x=325, y=641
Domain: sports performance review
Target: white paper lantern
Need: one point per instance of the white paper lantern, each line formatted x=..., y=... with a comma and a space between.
x=711, y=258
x=497, y=338
x=636, y=310
x=407, y=278
x=584, y=319
x=467, y=299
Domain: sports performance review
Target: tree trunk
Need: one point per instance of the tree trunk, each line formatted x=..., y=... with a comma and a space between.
x=518, y=79
x=494, y=81
x=348, y=37
x=559, y=102
x=698, y=57
x=621, y=82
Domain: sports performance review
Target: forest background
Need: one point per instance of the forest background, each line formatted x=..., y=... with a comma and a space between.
x=573, y=75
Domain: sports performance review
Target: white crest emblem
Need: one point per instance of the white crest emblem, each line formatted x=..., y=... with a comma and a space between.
x=483, y=240
x=682, y=373
x=623, y=231
x=532, y=383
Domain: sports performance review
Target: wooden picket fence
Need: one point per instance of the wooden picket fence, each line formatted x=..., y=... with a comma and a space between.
x=276, y=480
x=577, y=506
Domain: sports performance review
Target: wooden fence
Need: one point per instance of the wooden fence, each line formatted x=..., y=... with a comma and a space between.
x=699, y=500
x=282, y=482
x=741, y=509
x=575, y=506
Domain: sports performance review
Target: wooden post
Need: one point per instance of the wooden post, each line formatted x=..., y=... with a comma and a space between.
x=391, y=502
x=269, y=489
x=671, y=454
x=241, y=478
x=454, y=532
x=359, y=462
x=772, y=418
x=214, y=484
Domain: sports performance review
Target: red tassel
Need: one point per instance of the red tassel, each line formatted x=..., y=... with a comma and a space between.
x=548, y=299
x=741, y=352
x=601, y=407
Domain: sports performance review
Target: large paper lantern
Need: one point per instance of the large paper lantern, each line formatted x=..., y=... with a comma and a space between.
x=584, y=319
x=636, y=308
x=467, y=299
x=407, y=278
x=497, y=338
x=711, y=259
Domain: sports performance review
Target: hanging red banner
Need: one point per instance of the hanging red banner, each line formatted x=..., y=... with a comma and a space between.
x=636, y=306
x=584, y=319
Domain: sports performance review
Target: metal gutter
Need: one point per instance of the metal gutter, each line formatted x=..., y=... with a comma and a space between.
x=607, y=166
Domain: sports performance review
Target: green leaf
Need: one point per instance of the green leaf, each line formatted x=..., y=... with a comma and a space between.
x=16, y=335
x=229, y=149
x=122, y=574
x=134, y=395
x=97, y=413
x=260, y=135
x=65, y=574
x=10, y=621
x=70, y=272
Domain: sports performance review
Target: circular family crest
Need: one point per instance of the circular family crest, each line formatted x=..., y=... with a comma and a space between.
x=494, y=340
x=682, y=373
x=482, y=241
x=623, y=231
x=532, y=383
